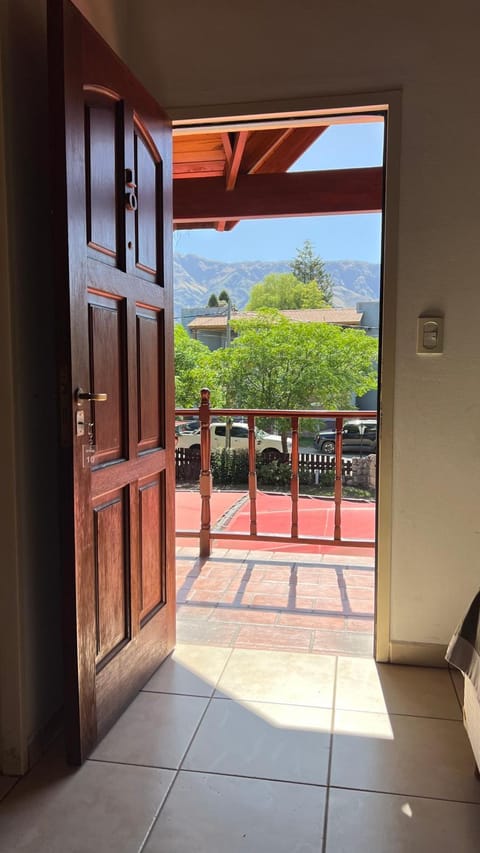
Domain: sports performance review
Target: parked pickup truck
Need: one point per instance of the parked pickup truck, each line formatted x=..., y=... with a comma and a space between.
x=358, y=436
x=271, y=445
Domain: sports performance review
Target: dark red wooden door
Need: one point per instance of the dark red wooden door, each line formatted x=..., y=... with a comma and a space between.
x=111, y=151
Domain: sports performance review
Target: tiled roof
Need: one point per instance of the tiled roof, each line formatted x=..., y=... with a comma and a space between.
x=338, y=316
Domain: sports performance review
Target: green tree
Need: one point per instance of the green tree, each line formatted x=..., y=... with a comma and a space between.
x=284, y=291
x=193, y=371
x=275, y=363
x=224, y=296
x=213, y=301
x=307, y=266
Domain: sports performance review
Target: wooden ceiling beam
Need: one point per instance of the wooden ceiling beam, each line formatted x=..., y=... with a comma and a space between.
x=271, y=151
x=227, y=147
x=292, y=194
x=233, y=169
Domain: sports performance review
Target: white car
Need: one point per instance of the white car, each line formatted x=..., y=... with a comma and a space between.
x=264, y=443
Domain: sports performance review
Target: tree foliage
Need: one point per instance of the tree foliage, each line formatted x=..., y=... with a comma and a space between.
x=307, y=266
x=193, y=370
x=275, y=363
x=224, y=296
x=283, y=291
x=213, y=301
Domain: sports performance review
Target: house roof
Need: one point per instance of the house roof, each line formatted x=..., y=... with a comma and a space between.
x=336, y=316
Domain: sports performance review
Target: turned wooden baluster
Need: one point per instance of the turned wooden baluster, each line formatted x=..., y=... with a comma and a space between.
x=338, y=479
x=205, y=473
x=252, y=475
x=294, y=483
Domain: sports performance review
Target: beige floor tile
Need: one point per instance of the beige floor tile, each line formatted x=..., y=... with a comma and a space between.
x=384, y=823
x=286, y=677
x=98, y=807
x=155, y=730
x=264, y=740
x=6, y=784
x=193, y=670
x=403, y=755
x=363, y=685
x=220, y=814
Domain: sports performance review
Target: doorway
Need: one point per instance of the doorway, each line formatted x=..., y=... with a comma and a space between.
x=237, y=130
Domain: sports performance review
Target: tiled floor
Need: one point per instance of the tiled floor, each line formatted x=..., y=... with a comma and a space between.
x=242, y=751
x=309, y=602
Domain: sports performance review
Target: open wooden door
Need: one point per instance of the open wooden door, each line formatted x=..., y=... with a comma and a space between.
x=111, y=152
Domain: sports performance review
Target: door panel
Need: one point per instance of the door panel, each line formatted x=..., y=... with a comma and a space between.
x=111, y=170
x=111, y=574
x=152, y=582
x=107, y=372
x=150, y=345
x=147, y=164
x=101, y=135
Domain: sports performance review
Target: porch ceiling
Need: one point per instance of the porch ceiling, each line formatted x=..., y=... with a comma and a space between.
x=221, y=177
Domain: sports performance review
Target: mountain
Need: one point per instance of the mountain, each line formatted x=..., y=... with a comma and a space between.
x=195, y=278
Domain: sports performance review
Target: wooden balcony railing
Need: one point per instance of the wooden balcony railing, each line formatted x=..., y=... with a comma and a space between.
x=206, y=534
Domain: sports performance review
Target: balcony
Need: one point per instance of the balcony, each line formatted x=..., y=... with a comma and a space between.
x=272, y=567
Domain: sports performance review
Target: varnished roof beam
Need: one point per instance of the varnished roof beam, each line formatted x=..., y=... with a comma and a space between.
x=291, y=194
x=234, y=167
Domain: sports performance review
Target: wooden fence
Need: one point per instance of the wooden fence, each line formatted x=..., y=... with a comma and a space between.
x=187, y=463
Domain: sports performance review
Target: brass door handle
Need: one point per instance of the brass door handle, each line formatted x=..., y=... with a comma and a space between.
x=90, y=396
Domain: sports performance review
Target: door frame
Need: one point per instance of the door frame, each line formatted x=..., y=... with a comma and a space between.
x=389, y=103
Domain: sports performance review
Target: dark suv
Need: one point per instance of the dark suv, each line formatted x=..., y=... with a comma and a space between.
x=358, y=437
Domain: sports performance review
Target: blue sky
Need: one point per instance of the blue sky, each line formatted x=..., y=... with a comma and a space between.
x=355, y=237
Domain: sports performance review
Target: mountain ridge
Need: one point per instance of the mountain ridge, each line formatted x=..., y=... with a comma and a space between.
x=196, y=277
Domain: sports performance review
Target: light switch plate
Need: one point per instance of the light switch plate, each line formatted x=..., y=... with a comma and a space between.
x=430, y=335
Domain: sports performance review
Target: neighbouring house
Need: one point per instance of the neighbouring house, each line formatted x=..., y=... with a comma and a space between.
x=370, y=322
x=190, y=313
x=215, y=331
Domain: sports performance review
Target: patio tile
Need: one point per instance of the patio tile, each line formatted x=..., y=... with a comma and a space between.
x=266, y=637
x=311, y=620
x=268, y=587
x=187, y=611
x=239, y=815
x=360, y=605
x=228, y=596
x=263, y=740
x=333, y=605
x=285, y=677
x=414, y=756
x=209, y=633
x=191, y=670
x=360, y=593
x=281, y=573
x=154, y=731
x=212, y=583
x=330, y=591
x=244, y=615
x=55, y=809
x=281, y=601
x=363, y=626
x=399, y=823
x=359, y=579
